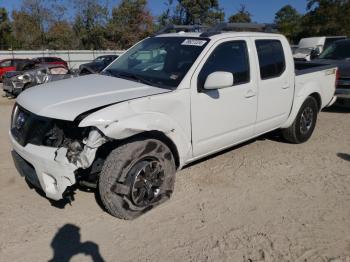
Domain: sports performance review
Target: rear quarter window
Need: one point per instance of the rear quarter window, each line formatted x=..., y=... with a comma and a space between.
x=271, y=58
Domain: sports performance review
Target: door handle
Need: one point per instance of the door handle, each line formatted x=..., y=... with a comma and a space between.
x=250, y=93
x=286, y=86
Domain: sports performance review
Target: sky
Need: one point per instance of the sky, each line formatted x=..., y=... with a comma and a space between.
x=263, y=11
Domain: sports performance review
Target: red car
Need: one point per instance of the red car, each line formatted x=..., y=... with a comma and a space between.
x=8, y=65
x=51, y=61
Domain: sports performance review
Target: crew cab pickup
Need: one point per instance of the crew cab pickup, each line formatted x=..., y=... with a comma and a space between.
x=169, y=100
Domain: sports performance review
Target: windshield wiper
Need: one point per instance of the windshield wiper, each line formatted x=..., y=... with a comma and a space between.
x=136, y=77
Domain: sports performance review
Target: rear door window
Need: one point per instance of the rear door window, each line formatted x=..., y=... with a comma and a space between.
x=271, y=58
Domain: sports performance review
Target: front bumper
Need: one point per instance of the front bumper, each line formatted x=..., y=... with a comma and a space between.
x=14, y=88
x=38, y=165
x=7, y=87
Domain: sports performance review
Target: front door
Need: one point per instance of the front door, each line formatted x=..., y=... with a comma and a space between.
x=223, y=117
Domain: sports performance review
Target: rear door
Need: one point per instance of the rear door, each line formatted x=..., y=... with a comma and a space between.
x=276, y=83
x=223, y=117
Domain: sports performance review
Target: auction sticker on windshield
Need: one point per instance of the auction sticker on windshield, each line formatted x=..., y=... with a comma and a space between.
x=194, y=42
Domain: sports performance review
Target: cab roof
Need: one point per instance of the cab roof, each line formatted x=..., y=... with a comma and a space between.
x=218, y=36
x=221, y=30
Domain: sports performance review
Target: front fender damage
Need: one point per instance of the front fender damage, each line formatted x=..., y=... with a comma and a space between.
x=77, y=155
x=81, y=156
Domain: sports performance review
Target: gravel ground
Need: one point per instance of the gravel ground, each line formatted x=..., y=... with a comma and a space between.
x=263, y=201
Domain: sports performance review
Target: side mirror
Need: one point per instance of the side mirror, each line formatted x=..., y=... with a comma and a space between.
x=218, y=80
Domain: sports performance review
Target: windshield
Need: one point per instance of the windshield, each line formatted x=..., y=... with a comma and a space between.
x=158, y=61
x=99, y=59
x=337, y=51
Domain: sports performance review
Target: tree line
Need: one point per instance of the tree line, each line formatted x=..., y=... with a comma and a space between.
x=92, y=24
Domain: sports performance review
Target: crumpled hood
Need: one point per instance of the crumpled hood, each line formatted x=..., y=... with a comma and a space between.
x=343, y=66
x=67, y=99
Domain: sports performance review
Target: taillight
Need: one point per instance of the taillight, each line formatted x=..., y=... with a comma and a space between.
x=337, y=76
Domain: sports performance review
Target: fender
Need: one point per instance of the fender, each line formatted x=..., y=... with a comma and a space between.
x=299, y=98
x=127, y=119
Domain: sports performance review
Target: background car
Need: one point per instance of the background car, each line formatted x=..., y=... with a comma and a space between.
x=50, y=60
x=97, y=65
x=311, y=47
x=338, y=54
x=8, y=65
x=17, y=81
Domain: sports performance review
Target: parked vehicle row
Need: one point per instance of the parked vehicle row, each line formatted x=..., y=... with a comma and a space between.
x=16, y=82
x=97, y=65
x=170, y=100
x=8, y=65
x=21, y=74
x=338, y=54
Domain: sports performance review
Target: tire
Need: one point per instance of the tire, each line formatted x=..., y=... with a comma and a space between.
x=304, y=124
x=136, y=177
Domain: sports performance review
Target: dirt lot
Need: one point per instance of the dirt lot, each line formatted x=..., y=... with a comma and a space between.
x=263, y=201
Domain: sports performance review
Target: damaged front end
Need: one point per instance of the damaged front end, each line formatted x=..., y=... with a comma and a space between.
x=59, y=151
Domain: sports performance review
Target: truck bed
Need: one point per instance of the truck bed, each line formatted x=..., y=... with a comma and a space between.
x=312, y=75
x=302, y=67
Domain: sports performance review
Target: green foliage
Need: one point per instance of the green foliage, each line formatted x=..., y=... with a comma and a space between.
x=327, y=17
x=89, y=25
x=288, y=22
x=166, y=17
x=41, y=24
x=29, y=24
x=189, y=12
x=242, y=16
x=131, y=21
x=5, y=30
x=61, y=36
x=27, y=31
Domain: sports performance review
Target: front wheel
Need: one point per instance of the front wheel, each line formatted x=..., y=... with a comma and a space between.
x=304, y=124
x=136, y=177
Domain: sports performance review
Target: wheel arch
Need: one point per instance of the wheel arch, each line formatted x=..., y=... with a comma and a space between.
x=318, y=98
x=298, y=102
x=158, y=135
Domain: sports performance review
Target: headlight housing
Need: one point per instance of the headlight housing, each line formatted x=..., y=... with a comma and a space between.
x=24, y=78
x=29, y=128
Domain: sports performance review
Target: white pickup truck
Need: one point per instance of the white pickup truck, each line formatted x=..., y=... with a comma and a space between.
x=169, y=100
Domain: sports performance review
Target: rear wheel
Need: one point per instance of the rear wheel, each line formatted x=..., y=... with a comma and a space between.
x=136, y=177
x=304, y=124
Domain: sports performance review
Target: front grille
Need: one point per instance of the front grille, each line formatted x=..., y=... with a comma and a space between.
x=27, y=127
x=7, y=84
